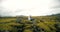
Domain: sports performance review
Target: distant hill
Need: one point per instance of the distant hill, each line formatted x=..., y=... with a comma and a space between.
x=56, y=14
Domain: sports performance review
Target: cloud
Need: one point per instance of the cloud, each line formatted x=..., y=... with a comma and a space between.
x=56, y=4
x=55, y=7
x=19, y=10
x=26, y=7
x=4, y=12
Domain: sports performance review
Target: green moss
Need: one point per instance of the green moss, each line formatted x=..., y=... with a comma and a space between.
x=47, y=23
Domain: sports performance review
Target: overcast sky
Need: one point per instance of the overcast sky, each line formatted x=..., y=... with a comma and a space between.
x=29, y=7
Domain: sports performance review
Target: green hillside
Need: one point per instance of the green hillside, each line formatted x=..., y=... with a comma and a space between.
x=42, y=24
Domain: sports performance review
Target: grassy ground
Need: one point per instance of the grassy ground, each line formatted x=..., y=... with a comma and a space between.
x=42, y=24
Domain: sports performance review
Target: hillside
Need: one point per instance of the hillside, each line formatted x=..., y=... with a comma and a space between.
x=38, y=24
